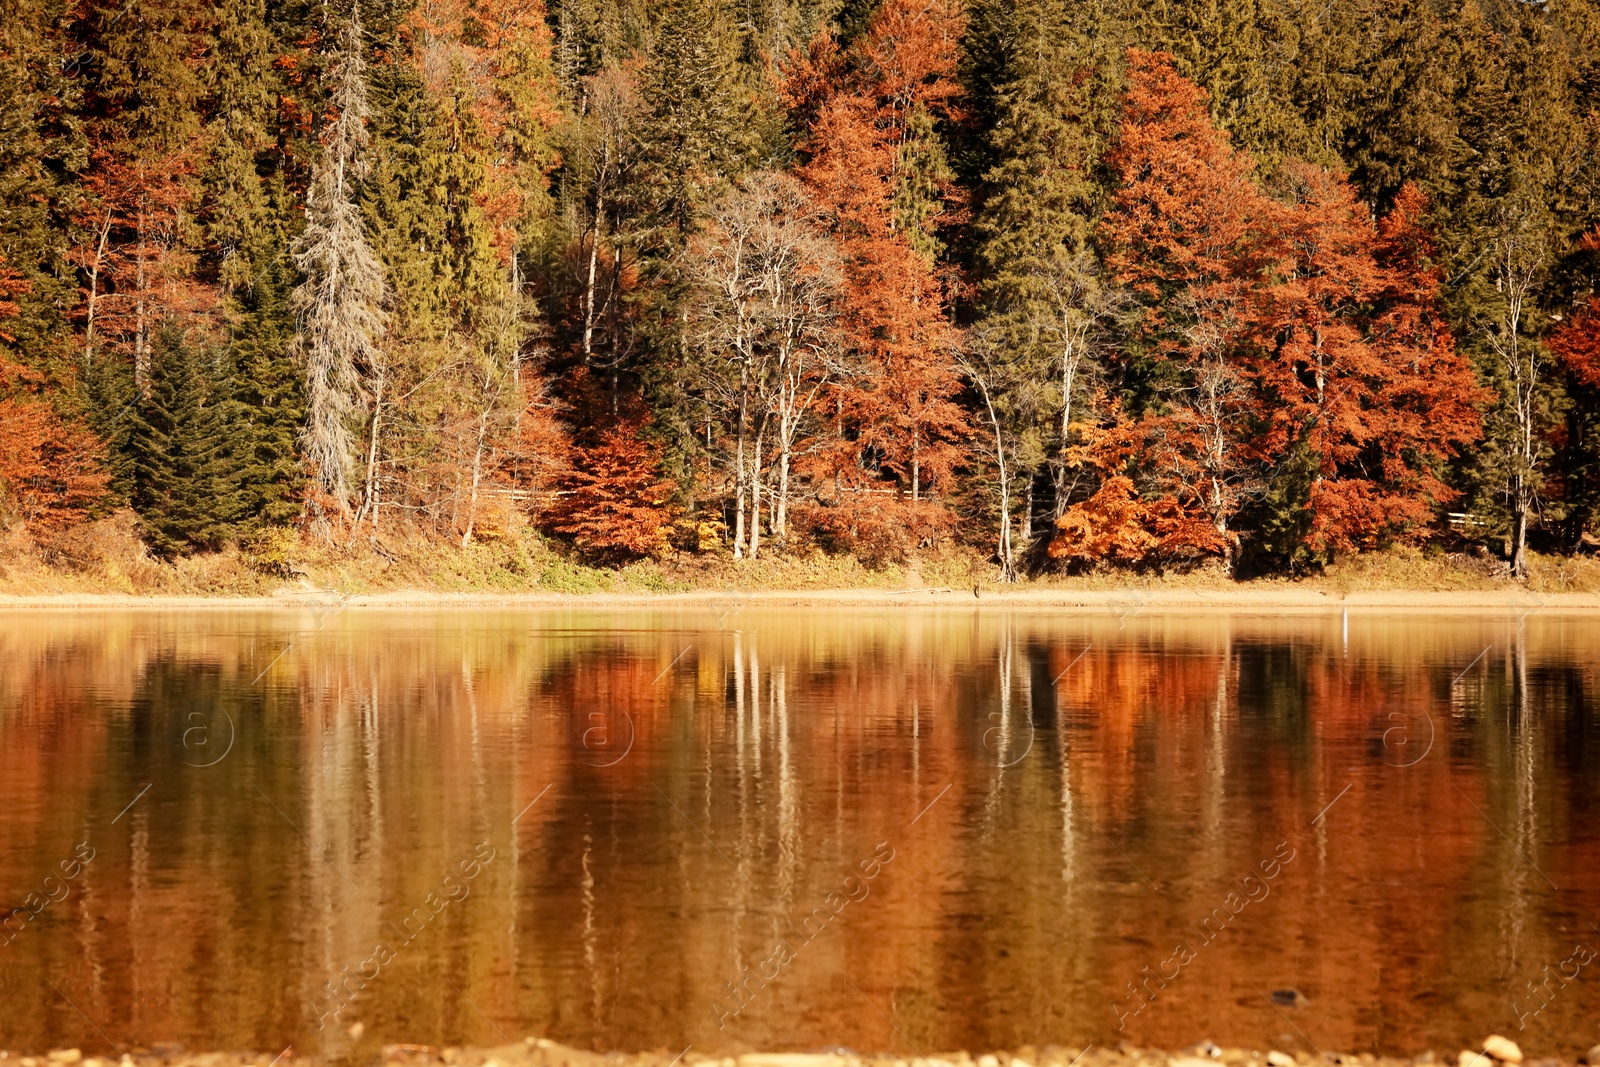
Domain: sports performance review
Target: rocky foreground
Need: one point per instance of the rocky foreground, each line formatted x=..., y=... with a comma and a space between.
x=538, y=1052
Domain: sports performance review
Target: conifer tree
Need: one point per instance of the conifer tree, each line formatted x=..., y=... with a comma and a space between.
x=340, y=302
x=1048, y=79
x=699, y=133
x=248, y=249
x=182, y=487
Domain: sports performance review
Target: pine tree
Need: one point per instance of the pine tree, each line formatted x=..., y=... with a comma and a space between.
x=1408, y=128
x=1242, y=53
x=267, y=408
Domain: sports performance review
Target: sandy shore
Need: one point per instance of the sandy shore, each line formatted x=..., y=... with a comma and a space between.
x=543, y=1053
x=1122, y=600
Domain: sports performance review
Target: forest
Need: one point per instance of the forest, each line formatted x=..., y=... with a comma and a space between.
x=1075, y=284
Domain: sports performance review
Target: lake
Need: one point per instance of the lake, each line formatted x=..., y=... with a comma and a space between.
x=735, y=827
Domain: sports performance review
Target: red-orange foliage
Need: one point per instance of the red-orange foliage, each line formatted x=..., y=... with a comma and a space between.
x=1281, y=328
x=1116, y=524
x=135, y=259
x=1185, y=233
x=875, y=527
x=899, y=415
x=50, y=473
x=614, y=503
x=1577, y=344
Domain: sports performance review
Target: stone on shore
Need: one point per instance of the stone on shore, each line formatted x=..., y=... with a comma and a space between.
x=1502, y=1048
x=1280, y=1059
x=790, y=1059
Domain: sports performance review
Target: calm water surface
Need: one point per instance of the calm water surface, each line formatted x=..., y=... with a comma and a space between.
x=744, y=828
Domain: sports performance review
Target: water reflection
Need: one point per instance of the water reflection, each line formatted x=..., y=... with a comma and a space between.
x=898, y=830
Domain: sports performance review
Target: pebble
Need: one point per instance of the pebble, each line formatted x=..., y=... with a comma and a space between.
x=1502, y=1048
x=988, y=1060
x=66, y=1055
x=1468, y=1058
x=1592, y=1057
x=355, y=1031
x=1280, y=1059
x=1190, y=1061
x=1291, y=998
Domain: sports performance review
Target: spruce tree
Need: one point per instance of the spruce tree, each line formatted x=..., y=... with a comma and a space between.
x=182, y=482
x=246, y=221
x=700, y=131
x=1047, y=75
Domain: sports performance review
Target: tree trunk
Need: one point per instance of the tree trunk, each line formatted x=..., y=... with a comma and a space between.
x=1519, y=546
x=755, y=496
x=589, y=282
x=780, y=524
x=372, y=487
x=477, y=473
x=94, y=288
x=1070, y=358
x=738, y=462
x=141, y=355
x=1008, y=567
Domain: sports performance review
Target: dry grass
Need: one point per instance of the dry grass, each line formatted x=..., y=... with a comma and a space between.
x=107, y=557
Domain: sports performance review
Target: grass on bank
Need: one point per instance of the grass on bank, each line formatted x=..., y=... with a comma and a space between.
x=107, y=557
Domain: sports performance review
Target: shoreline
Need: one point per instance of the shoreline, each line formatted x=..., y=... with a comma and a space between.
x=1125, y=600
x=542, y=1052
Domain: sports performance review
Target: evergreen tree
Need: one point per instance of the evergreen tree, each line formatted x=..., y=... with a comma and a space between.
x=248, y=250
x=268, y=405
x=700, y=131
x=182, y=482
x=1407, y=128
x=1048, y=81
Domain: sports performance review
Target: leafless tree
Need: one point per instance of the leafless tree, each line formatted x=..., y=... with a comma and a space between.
x=340, y=302
x=766, y=279
x=1521, y=249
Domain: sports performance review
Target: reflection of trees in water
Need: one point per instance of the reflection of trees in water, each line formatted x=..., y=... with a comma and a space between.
x=765, y=760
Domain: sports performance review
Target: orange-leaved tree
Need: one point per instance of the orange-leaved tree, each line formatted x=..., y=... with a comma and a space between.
x=1117, y=524
x=1186, y=232
x=614, y=503
x=1357, y=371
x=869, y=118
x=50, y=469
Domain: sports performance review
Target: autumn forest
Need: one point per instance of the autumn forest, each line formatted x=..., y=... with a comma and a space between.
x=1071, y=284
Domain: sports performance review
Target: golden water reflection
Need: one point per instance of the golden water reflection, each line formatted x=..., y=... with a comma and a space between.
x=737, y=828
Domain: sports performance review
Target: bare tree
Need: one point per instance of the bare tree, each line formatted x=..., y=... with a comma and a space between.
x=766, y=278
x=1081, y=305
x=1521, y=250
x=603, y=151
x=340, y=302
x=987, y=365
x=803, y=281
